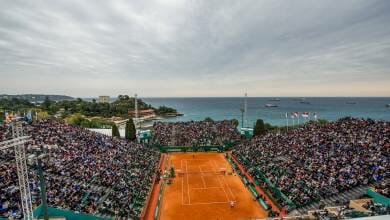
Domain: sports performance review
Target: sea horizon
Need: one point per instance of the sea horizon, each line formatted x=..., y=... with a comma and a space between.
x=328, y=108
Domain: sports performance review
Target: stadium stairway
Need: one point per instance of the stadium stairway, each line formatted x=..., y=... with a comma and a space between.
x=339, y=199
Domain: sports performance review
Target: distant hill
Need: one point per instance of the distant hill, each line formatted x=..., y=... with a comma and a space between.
x=37, y=97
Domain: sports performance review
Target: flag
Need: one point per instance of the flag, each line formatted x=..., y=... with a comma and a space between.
x=286, y=115
x=292, y=114
x=305, y=114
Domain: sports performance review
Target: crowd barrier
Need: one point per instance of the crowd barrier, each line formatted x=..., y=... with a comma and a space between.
x=166, y=149
x=38, y=212
x=216, y=148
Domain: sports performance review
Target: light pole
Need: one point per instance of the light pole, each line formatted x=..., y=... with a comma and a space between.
x=242, y=117
x=38, y=168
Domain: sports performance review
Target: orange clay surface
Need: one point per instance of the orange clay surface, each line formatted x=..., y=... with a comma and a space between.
x=193, y=195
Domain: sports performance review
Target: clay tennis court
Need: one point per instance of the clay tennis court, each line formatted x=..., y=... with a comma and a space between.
x=200, y=190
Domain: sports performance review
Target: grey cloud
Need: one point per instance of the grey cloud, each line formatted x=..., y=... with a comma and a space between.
x=198, y=47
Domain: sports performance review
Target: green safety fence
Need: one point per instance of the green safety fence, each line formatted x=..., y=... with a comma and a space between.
x=256, y=194
x=67, y=214
x=378, y=197
x=190, y=149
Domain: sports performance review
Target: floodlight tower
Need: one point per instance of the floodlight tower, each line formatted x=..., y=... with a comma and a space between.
x=136, y=105
x=136, y=113
x=17, y=142
x=245, y=110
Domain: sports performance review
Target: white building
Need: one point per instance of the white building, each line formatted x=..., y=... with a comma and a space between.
x=104, y=99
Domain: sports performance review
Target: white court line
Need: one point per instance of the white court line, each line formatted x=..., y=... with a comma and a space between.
x=206, y=203
x=188, y=186
x=204, y=182
x=213, y=187
x=195, y=159
x=227, y=197
x=224, y=180
x=182, y=184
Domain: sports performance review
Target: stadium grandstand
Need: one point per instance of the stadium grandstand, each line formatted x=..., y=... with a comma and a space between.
x=315, y=171
x=198, y=133
x=316, y=164
x=84, y=171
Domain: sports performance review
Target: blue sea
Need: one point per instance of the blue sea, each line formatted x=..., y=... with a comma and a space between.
x=229, y=108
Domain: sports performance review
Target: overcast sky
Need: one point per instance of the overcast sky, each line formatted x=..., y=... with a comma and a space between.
x=195, y=48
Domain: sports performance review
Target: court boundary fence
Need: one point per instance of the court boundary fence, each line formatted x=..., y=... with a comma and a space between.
x=195, y=148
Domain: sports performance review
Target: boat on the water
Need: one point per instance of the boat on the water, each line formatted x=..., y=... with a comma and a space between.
x=274, y=100
x=351, y=103
x=268, y=105
x=303, y=101
x=388, y=105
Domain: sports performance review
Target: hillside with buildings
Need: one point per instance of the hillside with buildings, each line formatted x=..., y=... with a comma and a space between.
x=36, y=98
x=93, y=114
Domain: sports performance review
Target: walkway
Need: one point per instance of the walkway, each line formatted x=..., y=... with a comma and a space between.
x=151, y=206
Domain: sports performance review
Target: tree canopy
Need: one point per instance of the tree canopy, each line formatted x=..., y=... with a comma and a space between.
x=162, y=110
x=130, y=131
x=209, y=119
x=115, y=131
x=15, y=104
x=119, y=107
x=259, y=128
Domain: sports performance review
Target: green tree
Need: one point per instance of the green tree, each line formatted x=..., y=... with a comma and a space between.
x=1, y=117
x=115, y=131
x=235, y=122
x=42, y=115
x=165, y=110
x=259, y=128
x=323, y=121
x=130, y=132
x=208, y=119
x=46, y=103
x=85, y=123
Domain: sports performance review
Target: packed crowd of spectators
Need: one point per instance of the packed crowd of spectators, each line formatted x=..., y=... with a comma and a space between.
x=195, y=133
x=342, y=212
x=84, y=171
x=382, y=188
x=377, y=208
x=347, y=212
x=317, y=161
